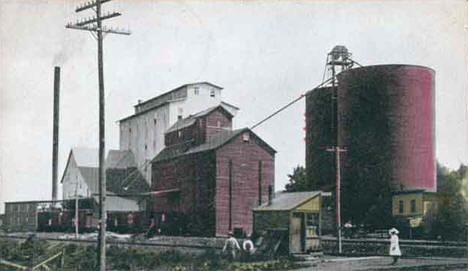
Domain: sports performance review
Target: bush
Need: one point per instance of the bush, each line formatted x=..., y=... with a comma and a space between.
x=83, y=257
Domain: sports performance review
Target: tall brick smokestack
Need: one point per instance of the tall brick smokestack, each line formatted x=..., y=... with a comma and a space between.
x=55, y=139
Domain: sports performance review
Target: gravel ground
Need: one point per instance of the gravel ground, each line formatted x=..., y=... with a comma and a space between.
x=383, y=263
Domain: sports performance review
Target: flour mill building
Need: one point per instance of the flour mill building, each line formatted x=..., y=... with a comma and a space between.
x=209, y=177
x=143, y=132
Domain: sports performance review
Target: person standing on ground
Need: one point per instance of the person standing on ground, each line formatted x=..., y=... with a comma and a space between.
x=232, y=245
x=394, y=246
x=248, y=247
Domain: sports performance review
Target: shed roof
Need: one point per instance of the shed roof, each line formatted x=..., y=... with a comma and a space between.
x=412, y=191
x=286, y=201
x=128, y=181
x=173, y=151
x=116, y=203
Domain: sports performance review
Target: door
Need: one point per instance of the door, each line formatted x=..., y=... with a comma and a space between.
x=312, y=227
x=297, y=233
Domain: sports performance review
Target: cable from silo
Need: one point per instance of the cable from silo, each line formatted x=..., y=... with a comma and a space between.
x=290, y=103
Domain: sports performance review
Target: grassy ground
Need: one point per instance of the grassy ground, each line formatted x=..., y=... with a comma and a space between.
x=83, y=257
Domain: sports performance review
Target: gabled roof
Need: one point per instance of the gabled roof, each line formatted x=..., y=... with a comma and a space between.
x=177, y=88
x=87, y=163
x=211, y=109
x=166, y=98
x=120, y=159
x=86, y=157
x=180, y=124
x=230, y=105
x=91, y=177
x=190, y=120
x=286, y=201
x=142, y=112
x=216, y=141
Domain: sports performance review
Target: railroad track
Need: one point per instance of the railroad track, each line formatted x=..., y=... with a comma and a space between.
x=115, y=242
x=401, y=241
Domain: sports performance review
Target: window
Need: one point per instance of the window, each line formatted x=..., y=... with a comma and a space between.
x=312, y=219
x=312, y=225
x=180, y=112
x=218, y=124
x=196, y=90
x=413, y=206
x=130, y=130
x=155, y=121
x=179, y=134
x=246, y=137
x=400, y=207
x=212, y=93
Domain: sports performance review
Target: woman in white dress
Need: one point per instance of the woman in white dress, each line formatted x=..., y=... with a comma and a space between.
x=395, y=251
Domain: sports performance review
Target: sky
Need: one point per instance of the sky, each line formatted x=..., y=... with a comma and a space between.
x=264, y=54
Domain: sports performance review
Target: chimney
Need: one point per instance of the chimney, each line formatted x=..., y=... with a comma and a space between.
x=55, y=136
x=270, y=194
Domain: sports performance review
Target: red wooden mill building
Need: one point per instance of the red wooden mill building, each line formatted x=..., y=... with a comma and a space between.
x=208, y=178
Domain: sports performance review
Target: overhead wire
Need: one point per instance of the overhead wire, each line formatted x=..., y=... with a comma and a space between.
x=290, y=103
x=324, y=82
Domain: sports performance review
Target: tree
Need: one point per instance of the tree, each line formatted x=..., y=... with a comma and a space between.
x=297, y=180
x=448, y=220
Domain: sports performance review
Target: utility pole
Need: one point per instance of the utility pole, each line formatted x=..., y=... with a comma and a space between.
x=94, y=26
x=338, y=60
x=337, y=150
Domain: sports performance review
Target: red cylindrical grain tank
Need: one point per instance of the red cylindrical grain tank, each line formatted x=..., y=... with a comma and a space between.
x=386, y=123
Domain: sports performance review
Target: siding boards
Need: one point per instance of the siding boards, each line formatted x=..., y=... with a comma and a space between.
x=245, y=158
x=194, y=176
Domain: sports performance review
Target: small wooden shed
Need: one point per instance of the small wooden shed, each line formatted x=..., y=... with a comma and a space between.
x=296, y=213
